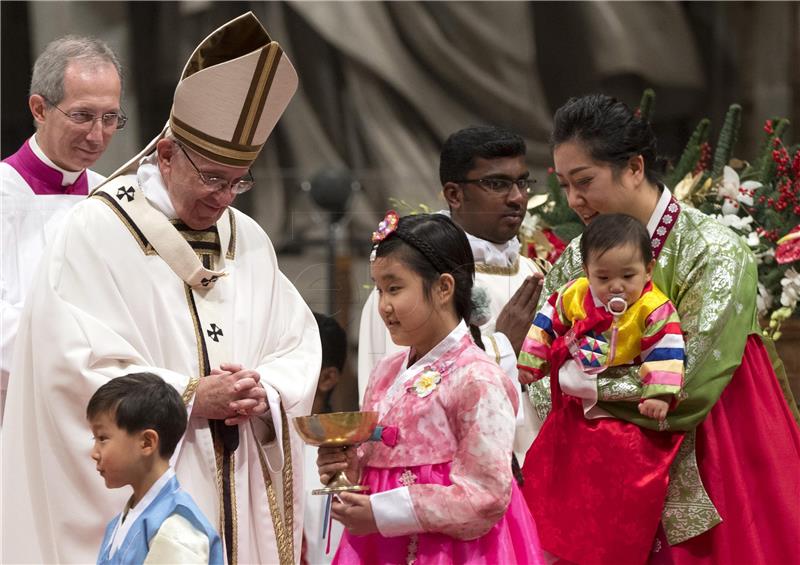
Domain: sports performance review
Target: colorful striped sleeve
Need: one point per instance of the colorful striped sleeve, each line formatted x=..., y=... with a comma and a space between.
x=536, y=347
x=662, y=355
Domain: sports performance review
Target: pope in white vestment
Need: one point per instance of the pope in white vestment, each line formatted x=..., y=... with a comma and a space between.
x=129, y=287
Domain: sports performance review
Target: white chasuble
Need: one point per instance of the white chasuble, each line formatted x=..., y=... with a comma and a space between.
x=123, y=290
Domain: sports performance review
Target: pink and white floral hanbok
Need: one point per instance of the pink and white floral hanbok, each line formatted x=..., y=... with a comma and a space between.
x=441, y=484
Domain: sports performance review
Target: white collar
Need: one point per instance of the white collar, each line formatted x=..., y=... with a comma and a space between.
x=489, y=253
x=122, y=529
x=452, y=339
x=152, y=184
x=67, y=177
x=661, y=207
x=407, y=373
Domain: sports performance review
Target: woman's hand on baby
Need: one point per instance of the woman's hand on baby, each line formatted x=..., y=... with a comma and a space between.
x=331, y=460
x=354, y=511
x=654, y=408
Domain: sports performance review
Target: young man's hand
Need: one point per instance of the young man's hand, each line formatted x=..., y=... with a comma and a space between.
x=516, y=317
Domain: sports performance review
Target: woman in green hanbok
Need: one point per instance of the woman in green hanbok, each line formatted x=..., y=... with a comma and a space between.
x=732, y=488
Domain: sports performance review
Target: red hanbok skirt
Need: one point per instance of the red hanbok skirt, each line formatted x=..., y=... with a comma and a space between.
x=748, y=453
x=596, y=488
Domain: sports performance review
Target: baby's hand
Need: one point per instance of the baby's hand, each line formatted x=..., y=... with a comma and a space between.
x=654, y=408
x=525, y=377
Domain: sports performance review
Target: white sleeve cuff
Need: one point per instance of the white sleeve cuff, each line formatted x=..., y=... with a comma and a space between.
x=274, y=450
x=394, y=513
x=505, y=357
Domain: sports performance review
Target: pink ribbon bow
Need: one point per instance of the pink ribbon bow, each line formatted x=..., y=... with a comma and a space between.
x=385, y=434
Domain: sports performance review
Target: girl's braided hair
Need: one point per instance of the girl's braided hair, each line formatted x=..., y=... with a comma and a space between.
x=432, y=245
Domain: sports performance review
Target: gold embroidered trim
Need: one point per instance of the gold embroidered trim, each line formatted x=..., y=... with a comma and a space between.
x=231, y=254
x=262, y=80
x=288, y=484
x=197, y=330
x=496, y=349
x=191, y=388
x=234, y=512
x=194, y=236
x=284, y=534
x=218, y=449
x=688, y=510
x=542, y=264
x=255, y=82
x=493, y=270
x=210, y=145
x=147, y=249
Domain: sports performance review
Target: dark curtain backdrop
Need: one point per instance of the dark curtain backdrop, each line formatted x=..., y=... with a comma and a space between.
x=383, y=83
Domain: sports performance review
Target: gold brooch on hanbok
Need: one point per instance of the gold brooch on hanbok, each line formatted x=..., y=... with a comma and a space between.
x=426, y=383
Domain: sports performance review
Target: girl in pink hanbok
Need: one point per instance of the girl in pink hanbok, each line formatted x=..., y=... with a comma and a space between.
x=440, y=479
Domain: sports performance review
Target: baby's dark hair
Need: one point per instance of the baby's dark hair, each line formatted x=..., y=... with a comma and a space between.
x=608, y=231
x=431, y=245
x=462, y=148
x=142, y=401
x=610, y=132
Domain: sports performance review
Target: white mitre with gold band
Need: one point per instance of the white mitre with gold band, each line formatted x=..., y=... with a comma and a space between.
x=235, y=86
x=233, y=89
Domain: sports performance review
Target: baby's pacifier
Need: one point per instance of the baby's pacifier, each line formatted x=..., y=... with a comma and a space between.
x=617, y=305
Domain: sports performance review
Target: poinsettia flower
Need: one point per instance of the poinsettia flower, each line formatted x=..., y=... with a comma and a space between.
x=734, y=192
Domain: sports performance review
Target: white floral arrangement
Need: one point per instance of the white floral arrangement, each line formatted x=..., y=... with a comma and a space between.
x=757, y=200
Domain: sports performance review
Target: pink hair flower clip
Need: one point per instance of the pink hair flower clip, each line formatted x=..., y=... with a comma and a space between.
x=387, y=226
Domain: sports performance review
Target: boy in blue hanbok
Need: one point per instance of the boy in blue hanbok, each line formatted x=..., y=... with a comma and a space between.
x=137, y=421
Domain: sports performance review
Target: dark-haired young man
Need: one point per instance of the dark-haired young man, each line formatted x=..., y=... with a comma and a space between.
x=485, y=181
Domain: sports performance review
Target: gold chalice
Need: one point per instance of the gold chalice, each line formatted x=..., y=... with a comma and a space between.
x=338, y=429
